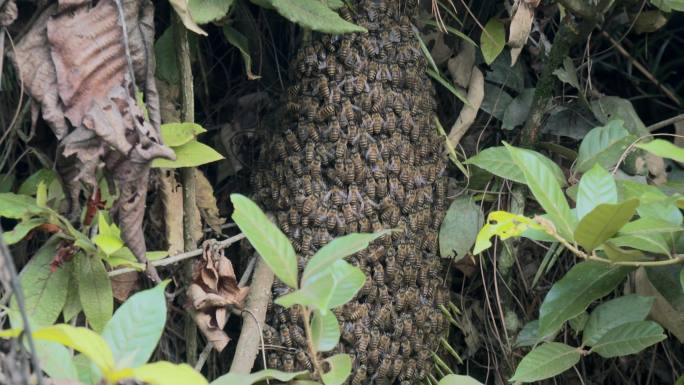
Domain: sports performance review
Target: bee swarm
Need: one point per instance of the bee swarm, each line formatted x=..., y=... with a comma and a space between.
x=358, y=152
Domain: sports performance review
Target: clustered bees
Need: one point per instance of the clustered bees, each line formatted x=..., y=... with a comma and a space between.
x=358, y=152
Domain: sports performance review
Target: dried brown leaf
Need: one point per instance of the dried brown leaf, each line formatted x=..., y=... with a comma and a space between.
x=460, y=66
x=521, y=24
x=468, y=113
x=124, y=284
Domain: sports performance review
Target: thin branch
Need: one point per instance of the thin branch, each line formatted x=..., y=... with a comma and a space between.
x=665, y=123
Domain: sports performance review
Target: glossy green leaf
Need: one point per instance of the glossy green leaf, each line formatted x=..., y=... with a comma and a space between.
x=628, y=338
x=191, y=154
x=457, y=379
x=19, y=206
x=337, y=249
x=541, y=181
x=178, y=134
x=545, y=361
x=616, y=253
x=340, y=368
x=664, y=149
x=271, y=244
x=604, y=221
x=497, y=160
x=30, y=185
x=133, y=334
x=55, y=360
x=613, y=313
x=206, y=11
x=45, y=291
x=95, y=291
x=603, y=146
x=325, y=331
x=584, y=283
x=21, y=230
x=239, y=41
x=596, y=186
x=166, y=373
x=492, y=40
x=459, y=228
x=82, y=340
x=314, y=15
x=262, y=375
x=72, y=306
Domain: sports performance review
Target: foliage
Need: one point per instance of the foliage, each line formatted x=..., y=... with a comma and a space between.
x=189, y=152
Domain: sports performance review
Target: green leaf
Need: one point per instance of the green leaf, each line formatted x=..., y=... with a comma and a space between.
x=316, y=294
x=325, y=331
x=517, y=111
x=21, y=230
x=615, y=253
x=584, y=283
x=460, y=227
x=495, y=101
x=55, y=360
x=95, y=291
x=206, y=11
x=72, y=305
x=547, y=360
x=109, y=244
x=653, y=243
x=166, y=373
x=340, y=368
x=239, y=41
x=497, y=160
x=603, y=222
x=603, y=145
x=262, y=375
x=613, y=313
x=271, y=244
x=609, y=108
x=6, y=182
x=669, y=6
x=457, y=379
x=663, y=149
x=45, y=291
x=85, y=370
x=578, y=323
x=166, y=62
x=541, y=181
x=568, y=74
x=348, y=280
x=178, y=134
x=80, y=339
x=314, y=15
x=596, y=186
x=492, y=40
x=30, y=185
x=181, y=8
x=41, y=194
x=628, y=338
x=504, y=225
x=156, y=255
x=337, y=249
x=654, y=203
x=133, y=334
x=191, y=154
x=19, y=206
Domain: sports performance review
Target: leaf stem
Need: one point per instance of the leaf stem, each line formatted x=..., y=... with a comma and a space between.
x=306, y=312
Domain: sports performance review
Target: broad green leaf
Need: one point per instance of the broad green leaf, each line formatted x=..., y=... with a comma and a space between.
x=663, y=149
x=650, y=226
x=55, y=360
x=584, y=283
x=545, y=361
x=206, y=11
x=41, y=194
x=497, y=160
x=316, y=294
x=30, y=185
x=340, y=368
x=325, y=331
x=492, y=40
x=529, y=335
x=166, y=373
x=239, y=41
x=45, y=291
x=262, y=375
x=166, y=63
x=314, y=15
x=19, y=206
x=669, y=6
x=609, y=108
x=191, y=154
x=504, y=225
x=82, y=340
x=578, y=323
x=133, y=334
x=601, y=223
x=95, y=291
x=183, y=12
x=72, y=306
x=21, y=230
x=613, y=313
x=653, y=243
x=596, y=186
x=603, y=146
x=616, y=253
x=271, y=244
x=654, y=203
x=681, y=278
x=109, y=244
x=348, y=281
x=86, y=370
x=628, y=338
x=460, y=227
x=337, y=249
x=457, y=379
x=495, y=101
x=178, y=134
x=6, y=182
x=541, y=181
x=517, y=111
x=156, y=255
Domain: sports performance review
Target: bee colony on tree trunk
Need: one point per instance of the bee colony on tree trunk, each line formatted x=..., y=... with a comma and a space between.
x=357, y=151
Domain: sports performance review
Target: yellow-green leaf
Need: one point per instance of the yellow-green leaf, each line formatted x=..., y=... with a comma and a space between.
x=492, y=40
x=604, y=221
x=340, y=367
x=664, y=149
x=546, y=361
x=178, y=134
x=166, y=373
x=191, y=154
x=504, y=225
x=84, y=340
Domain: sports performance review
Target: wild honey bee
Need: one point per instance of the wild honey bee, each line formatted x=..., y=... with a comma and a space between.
x=285, y=336
x=384, y=368
x=326, y=112
x=292, y=140
x=288, y=363
x=362, y=341
x=345, y=48
x=379, y=274
x=405, y=347
x=303, y=360
x=359, y=375
x=384, y=344
x=354, y=311
x=334, y=131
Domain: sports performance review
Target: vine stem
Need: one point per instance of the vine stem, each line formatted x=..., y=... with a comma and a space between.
x=306, y=314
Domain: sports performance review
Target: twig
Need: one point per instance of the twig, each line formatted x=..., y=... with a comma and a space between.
x=257, y=302
x=19, y=294
x=179, y=257
x=665, y=123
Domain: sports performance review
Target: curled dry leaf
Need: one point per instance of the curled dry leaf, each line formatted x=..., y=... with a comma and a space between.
x=213, y=290
x=206, y=202
x=85, y=88
x=468, y=113
x=521, y=24
x=460, y=66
